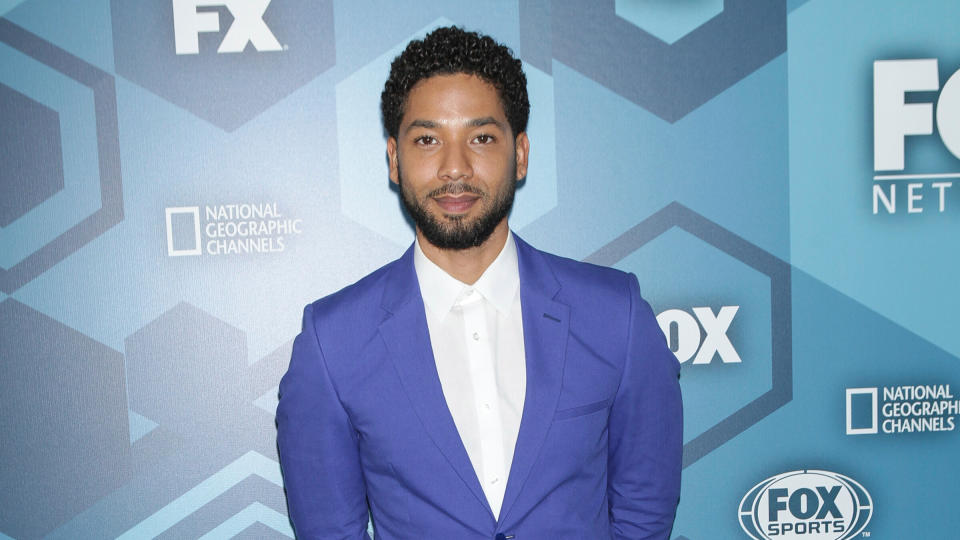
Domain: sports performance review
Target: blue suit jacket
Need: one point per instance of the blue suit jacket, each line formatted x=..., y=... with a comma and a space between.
x=362, y=417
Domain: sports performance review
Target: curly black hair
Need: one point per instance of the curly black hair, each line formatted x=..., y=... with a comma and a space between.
x=451, y=50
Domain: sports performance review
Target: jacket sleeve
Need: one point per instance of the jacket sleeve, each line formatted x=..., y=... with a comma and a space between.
x=646, y=432
x=319, y=456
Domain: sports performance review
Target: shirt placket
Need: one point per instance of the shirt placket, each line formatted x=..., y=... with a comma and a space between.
x=486, y=398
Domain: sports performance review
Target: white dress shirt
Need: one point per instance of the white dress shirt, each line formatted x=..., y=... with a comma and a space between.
x=476, y=333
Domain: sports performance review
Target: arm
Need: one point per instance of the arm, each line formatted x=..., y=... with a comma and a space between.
x=318, y=449
x=646, y=432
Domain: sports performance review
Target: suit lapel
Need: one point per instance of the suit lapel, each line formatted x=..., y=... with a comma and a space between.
x=404, y=330
x=546, y=324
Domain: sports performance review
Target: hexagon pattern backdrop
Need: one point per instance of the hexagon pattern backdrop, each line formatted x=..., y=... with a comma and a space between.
x=179, y=177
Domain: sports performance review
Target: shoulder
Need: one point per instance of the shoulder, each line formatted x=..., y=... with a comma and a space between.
x=355, y=306
x=602, y=301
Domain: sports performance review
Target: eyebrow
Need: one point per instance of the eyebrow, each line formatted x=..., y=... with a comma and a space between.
x=476, y=122
x=421, y=124
x=485, y=121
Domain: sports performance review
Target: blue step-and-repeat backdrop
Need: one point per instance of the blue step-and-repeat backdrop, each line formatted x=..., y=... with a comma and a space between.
x=179, y=177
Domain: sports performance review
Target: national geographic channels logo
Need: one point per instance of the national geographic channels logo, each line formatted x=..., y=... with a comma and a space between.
x=901, y=409
x=806, y=505
x=229, y=229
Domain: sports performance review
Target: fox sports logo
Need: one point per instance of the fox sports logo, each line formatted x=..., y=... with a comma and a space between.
x=807, y=505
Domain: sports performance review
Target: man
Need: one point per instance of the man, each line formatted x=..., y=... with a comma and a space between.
x=477, y=388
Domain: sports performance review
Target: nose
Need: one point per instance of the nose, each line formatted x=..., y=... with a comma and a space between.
x=455, y=163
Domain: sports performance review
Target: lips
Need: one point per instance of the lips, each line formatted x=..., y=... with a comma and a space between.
x=456, y=205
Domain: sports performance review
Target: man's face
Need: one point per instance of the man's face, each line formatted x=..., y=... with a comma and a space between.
x=456, y=160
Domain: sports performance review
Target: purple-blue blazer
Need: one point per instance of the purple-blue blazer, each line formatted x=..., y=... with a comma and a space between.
x=362, y=421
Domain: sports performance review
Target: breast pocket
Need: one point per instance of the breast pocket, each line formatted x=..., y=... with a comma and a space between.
x=581, y=410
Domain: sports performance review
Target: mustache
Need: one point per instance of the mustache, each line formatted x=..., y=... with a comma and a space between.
x=456, y=188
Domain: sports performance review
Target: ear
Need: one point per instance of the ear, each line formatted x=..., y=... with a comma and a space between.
x=522, y=151
x=392, y=159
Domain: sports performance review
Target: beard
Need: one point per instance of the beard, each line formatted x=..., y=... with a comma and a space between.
x=460, y=232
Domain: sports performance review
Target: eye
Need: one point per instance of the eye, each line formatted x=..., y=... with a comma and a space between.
x=484, y=138
x=425, y=140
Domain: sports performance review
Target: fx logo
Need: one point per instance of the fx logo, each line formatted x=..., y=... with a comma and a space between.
x=684, y=336
x=248, y=25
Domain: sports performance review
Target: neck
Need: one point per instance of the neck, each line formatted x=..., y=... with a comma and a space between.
x=467, y=265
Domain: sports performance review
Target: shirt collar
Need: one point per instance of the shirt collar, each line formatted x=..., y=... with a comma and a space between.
x=498, y=284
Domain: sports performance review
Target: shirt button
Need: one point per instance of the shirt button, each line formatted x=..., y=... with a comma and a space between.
x=476, y=336
x=469, y=292
x=494, y=481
